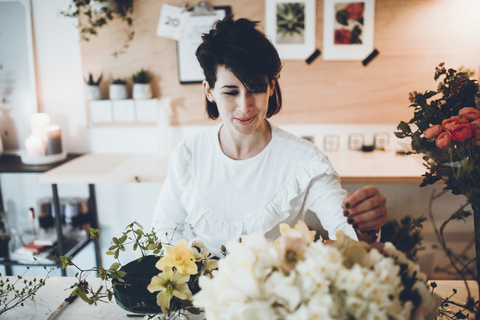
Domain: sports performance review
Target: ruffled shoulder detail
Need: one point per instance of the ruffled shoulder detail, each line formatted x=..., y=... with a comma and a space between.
x=286, y=203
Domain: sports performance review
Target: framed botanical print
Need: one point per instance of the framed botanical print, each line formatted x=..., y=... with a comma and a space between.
x=290, y=25
x=348, y=29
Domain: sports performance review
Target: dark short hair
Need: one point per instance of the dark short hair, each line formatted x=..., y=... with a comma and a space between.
x=240, y=47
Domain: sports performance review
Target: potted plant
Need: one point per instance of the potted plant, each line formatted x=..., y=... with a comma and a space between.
x=118, y=89
x=162, y=280
x=141, y=85
x=93, y=15
x=93, y=91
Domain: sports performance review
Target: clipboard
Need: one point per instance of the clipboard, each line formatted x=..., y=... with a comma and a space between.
x=200, y=20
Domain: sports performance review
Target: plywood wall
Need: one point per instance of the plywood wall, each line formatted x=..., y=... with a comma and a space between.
x=412, y=36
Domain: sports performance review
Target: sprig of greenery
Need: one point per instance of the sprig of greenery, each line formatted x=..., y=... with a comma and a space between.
x=21, y=293
x=90, y=22
x=134, y=236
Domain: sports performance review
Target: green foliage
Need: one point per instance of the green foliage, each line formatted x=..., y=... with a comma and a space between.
x=90, y=21
x=14, y=293
x=405, y=235
x=92, y=82
x=134, y=237
x=142, y=76
x=119, y=81
x=458, y=165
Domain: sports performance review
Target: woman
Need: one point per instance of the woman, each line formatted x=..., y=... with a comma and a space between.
x=246, y=174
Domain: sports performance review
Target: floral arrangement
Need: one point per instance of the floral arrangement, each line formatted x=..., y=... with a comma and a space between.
x=297, y=278
x=448, y=132
x=175, y=272
x=181, y=267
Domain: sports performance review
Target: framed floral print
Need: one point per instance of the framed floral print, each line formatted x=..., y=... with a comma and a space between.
x=348, y=29
x=290, y=25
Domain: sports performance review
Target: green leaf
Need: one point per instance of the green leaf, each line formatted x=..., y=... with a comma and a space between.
x=342, y=17
x=110, y=253
x=404, y=127
x=115, y=266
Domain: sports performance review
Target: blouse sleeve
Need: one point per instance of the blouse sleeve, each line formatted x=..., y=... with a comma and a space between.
x=324, y=198
x=169, y=216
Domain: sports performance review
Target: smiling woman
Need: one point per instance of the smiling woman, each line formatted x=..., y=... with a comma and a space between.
x=246, y=174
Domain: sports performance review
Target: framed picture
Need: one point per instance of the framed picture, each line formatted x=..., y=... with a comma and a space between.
x=347, y=29
x=290, y=25
x=189, y=70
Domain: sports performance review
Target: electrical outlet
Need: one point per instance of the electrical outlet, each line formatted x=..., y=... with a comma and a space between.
x=332, y=142
x=355, y=141
x=381, y=140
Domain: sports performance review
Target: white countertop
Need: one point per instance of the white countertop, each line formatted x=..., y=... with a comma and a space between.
x=353, y=167
x=55, y=291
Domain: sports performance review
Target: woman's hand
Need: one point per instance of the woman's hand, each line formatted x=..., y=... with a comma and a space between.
x=365, y=210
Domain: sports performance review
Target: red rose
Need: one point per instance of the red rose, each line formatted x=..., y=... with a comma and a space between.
x=355, y=10
x=449, y=124
x=462, y=132
x=444, y=140
x=343, y=36
x=433, y=131
x=469, y=113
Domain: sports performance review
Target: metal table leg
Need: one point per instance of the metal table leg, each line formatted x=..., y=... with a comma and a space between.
x=94, y=218
x=58, y=224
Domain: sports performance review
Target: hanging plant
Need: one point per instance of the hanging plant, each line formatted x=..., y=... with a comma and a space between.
x=94, y=14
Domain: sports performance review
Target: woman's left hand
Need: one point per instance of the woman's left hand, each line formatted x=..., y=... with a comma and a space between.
x=365, y=209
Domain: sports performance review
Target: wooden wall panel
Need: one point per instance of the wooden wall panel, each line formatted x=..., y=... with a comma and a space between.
x=412, y=36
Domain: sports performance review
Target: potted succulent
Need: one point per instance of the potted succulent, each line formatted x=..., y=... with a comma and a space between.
x=118, y=89
x=141, y=85
x=93, y=91
x=93, y=15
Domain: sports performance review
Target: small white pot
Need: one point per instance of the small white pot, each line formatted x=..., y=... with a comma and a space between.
x=93, y=93
x=118, y=91
x=142, y=91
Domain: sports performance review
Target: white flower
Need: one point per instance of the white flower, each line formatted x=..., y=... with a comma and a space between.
x=283, y=290
x=346, y=281
x=198, y=249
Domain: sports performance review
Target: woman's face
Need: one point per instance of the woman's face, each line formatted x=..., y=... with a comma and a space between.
x=241, y=110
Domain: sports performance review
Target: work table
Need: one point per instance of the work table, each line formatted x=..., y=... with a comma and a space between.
x=353, y=167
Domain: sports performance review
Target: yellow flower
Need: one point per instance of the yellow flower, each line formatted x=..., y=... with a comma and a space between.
x=308, y=235
x=179, y=257
x=170, y=284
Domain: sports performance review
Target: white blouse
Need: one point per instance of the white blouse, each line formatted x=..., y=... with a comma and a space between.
x=220, y=199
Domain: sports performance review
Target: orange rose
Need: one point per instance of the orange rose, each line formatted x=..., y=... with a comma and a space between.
x=462, y=132
x=469, y=113
x=449, y=124
x=433, y=131
x=444, y=140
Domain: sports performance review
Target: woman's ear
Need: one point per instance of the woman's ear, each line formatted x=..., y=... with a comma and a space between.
x=208, y=91
x=272, y=87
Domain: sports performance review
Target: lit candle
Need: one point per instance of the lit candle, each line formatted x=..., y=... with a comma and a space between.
x=54, y=139
x=34, y=147
x=38, y=122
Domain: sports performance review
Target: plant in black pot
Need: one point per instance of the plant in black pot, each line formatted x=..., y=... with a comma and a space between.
x=162, y=279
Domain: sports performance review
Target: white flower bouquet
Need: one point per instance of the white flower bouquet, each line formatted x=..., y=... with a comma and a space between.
x=297, y=278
